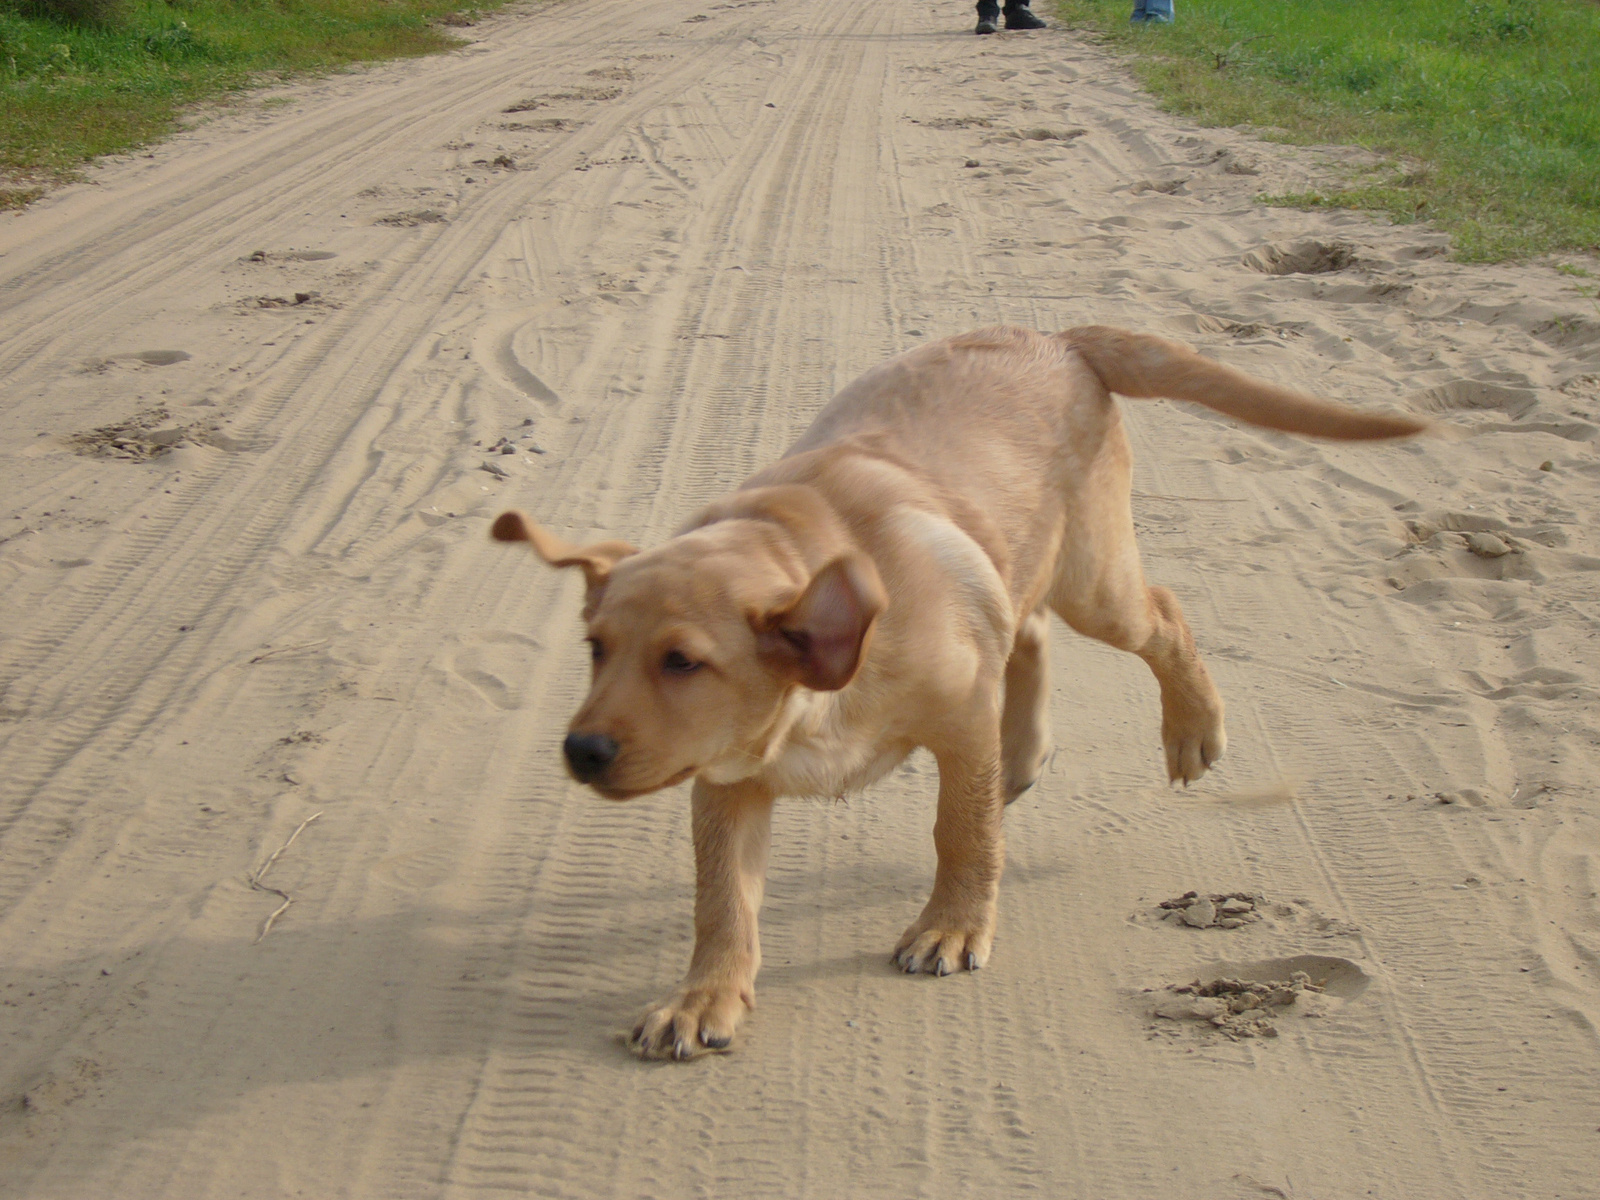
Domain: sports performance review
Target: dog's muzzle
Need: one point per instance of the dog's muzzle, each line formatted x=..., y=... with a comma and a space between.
x=589, y=755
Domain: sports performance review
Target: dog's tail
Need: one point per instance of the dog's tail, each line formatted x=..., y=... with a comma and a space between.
x=1143, y=367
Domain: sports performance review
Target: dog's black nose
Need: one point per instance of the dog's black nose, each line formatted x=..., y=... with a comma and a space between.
x=589, y=754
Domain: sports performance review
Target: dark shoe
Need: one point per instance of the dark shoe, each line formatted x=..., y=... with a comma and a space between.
x=986, y=25
x=1020, y=16
x=988, y=16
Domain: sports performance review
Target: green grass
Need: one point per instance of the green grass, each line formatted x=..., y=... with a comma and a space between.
x=1492, y=105
x=80, y=78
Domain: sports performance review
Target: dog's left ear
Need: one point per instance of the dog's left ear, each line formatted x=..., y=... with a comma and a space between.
x=819, y=639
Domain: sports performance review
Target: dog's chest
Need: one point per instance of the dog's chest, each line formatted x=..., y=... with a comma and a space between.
x=824, y=754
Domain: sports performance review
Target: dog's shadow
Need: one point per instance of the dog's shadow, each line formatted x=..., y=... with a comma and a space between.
x=353, y=1002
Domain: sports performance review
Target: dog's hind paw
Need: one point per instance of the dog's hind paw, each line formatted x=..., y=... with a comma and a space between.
x=692, y=1022
x=1193, y=741
x=934, y=947
x=1191, y=757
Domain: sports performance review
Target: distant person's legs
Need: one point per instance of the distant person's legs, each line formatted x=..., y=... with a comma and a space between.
x=1020, y=16
x=1152, y=10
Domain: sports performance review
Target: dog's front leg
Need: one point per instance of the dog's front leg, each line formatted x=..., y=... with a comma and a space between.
x=732, y=833
x=956, y=928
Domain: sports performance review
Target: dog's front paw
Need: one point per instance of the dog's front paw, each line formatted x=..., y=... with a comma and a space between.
x=693, y=1021
x=940, y=943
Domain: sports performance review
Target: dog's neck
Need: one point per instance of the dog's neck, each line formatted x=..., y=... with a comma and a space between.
x=816, y=745
x=809, y=530
x=810, y=746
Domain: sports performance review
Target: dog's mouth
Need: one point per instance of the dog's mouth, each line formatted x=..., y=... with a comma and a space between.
x=616, y=793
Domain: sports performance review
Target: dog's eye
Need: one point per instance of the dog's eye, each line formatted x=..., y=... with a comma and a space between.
x=596, y=650
x=675, y=662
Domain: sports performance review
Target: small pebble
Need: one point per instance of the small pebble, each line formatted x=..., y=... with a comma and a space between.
x=1486, y=545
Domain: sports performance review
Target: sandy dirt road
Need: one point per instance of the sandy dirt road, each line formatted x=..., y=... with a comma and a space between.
x=251, y=384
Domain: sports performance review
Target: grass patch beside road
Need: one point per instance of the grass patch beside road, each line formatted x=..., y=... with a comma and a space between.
x=1490, y=109
x=79, y=78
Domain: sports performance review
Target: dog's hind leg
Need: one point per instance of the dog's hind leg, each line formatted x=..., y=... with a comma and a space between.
x=1100, y=591
x=732, y=834
x=1025, y=722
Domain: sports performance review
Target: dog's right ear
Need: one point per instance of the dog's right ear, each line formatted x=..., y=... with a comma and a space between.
x=596, y=560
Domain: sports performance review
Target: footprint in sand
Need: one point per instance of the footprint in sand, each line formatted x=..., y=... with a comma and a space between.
x=1568, y=332
x=1467, y=566
x=1167, y=187
x=485, y=665
x=1300, y=258
x=413, y=870
x=542, y=125
x=149, y=358
x=1037, y=135
x=496, y=691
x=1513, y=397
x=494, y=348
x=162, y=358
x=576, y=94
x=264, y=256
x=956, y=123
x=1248, y=330
x=298, y=300
x=412, y=218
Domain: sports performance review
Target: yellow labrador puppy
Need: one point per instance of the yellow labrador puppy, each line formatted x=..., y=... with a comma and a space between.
x=883, y=586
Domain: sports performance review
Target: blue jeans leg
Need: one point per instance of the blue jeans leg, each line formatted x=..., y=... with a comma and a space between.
x=1152, y=10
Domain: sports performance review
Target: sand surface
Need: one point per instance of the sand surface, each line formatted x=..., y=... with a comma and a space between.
x=255, y=384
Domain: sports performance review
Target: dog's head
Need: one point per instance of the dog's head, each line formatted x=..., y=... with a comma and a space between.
x=698, y=643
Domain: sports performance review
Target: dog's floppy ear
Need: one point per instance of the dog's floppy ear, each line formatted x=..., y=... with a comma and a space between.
x=819, y=639
x=596, y=560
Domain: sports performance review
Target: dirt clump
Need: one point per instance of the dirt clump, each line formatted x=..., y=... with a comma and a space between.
x=145, y=435
x=1223, y=910
x=1238, y=1008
